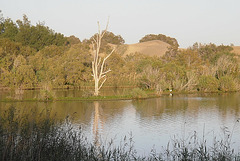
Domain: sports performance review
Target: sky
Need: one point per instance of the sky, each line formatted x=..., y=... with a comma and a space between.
x=189, y=21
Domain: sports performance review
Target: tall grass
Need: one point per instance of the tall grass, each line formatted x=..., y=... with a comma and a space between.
x=29, y=139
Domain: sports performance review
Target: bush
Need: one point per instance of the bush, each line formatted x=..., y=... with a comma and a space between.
x=208, y=84
x=164, y=85
x=227, y=83
x=47, y=95
x=138, y=93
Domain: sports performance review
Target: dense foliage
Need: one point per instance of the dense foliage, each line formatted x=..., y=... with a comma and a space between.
x=36, y=37
x=171, y=41
x=35, y=56
x=109, y=37
x=108, y=41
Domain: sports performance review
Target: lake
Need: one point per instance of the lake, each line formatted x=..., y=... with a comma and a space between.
x=151, y=122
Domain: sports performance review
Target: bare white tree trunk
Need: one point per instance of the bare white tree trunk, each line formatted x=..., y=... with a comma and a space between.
x=98, y=65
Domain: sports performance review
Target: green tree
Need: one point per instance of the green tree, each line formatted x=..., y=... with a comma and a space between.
x=24, y=77
x=226, y=65
x=8, y=29
x=12, y=48
x=1, y=22
x=77, y=65
x=208, y=84
x=227, y=83
x=108, y=40
x=24, y=34
x=72, y=40
x=171, y=41
x=211, y=52
x=188, y=58
x=110, y=37
x=37, y=36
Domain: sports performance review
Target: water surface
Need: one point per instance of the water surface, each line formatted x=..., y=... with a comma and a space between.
x=151, y=122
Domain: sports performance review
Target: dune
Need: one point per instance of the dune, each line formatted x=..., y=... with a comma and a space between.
x=150, y=48
x=236, y=50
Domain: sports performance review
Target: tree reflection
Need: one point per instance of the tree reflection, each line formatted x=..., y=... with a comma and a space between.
x=96, y=122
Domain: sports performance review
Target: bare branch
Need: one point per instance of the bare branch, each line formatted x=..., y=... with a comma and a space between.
x=102, y=66
x=111, y=52
x=102, y=83
x=105, y=28
x=93, y=46
x=94, y=40
x=99, y=31
x=93, y=71
x=99, y=61
x=109, y=70
x=102, y=77
x=94, y=52
x=109, y=55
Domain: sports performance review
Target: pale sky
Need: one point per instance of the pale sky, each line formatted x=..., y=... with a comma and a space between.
x=189, y=21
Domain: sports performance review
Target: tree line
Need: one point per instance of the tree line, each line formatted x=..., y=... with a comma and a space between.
x=34, y=56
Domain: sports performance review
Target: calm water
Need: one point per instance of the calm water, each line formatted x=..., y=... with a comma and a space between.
x=151, y=122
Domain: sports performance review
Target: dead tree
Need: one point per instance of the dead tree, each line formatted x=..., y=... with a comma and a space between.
x=98, y=65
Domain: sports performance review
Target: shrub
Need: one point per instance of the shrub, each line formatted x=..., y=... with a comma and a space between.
x=164, y=85
x=208, y=84
x=227, y=83
x=138, y=93
x=47, y=95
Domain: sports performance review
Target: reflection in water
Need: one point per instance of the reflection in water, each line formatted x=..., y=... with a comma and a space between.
x=96, y=122
x=151, y=121
x=29, y=94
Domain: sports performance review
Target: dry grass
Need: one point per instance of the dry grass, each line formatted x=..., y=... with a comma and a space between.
x=150, y=48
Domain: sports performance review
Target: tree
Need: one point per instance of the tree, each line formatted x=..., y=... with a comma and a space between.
x=72, y=40
x=111, y=38
x=1, y=22
x=8, y=29
x=171, y=41
x=108, y=41
x=37, y=36
x=98, y=65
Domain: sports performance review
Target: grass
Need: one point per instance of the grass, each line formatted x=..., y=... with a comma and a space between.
x=135, y=93
x=48, y=96
x=90, y=98
x=38, y=139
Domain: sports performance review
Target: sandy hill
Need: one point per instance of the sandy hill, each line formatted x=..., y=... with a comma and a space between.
x=236, y=49
x=151, y=48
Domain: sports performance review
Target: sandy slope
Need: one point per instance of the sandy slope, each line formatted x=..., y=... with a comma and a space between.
x=236, y=49
x=151, y=48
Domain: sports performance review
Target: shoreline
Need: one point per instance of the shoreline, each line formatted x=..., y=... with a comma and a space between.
x=150, y=94
x=81, y=99
x=67, y=87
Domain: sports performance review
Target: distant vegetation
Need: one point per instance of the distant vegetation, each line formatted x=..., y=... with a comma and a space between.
x=34, y=56
x=36, y=37
x=171, y=41
x=109, y=37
